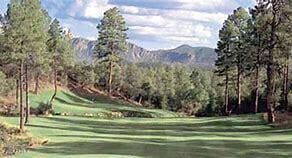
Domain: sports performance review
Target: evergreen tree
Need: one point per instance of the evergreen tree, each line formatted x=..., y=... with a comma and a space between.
x=285, y=47
x=224, y=63
x=256, y=41
x=240, y=19
x=15, y=37
x=273, y=10
x=61, y=52
x=36, y=40
x=111, y=41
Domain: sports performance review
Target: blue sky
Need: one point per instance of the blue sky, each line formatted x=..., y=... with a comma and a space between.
x=153, y=24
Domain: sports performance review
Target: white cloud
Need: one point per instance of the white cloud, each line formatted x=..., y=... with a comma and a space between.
x=130, y=9
x=76, y=26
x=194, y=22
x=148, y=20
x=191, y=32
x=89, y=9
x=207, y=4
x=175, y=14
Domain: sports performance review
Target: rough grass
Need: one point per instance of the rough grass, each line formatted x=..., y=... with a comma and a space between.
x=72, y=104
x=246, y=136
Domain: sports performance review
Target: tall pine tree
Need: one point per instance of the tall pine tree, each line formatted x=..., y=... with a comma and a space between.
x=224, y=63
x=111, y=41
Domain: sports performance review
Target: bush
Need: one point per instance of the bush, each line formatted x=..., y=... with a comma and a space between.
x=44, y=109
x=190, y=109
x=12, y=141
x=6, y=84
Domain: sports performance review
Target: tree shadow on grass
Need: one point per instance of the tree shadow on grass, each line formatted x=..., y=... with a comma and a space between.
x=210, y=126
x=103, y=103
x=190, y=149
x=157, y=140
x=103, y=127
x=86, y=105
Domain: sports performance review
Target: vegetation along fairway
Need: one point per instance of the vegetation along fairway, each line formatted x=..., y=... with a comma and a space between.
x=245, y=136
x=146, y=78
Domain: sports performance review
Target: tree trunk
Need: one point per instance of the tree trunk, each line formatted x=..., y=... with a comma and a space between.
x=239, y=76
x=140, y=99
x=226, y=95
x=271, y=72
x=36, y=88
x=21, y=111
x=66, y=78
x=17, y=93
x=27, y=107
x=55, y=87
x=110, y=78
x=257, y=77
x=285, y=84
x=271, y=92
x=256, y=90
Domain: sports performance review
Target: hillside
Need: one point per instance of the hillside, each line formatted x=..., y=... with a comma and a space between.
x=185, y=54
x=74, y=104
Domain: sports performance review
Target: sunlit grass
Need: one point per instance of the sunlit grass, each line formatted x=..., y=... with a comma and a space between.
x=68, y=102
x=160, y=137
x=246, y=136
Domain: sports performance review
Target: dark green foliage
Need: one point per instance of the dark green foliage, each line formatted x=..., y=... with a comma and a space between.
x=44, y=109
x=59, y=47
x=249, y=43
x=111, y=41
x=176, y=88
x=84, y=74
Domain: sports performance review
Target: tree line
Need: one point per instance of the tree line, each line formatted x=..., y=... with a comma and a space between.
x=256, y=42
x=252, y=70
x=32, y=45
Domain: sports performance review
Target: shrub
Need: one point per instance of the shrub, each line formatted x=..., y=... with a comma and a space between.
x=6, y=84
x=12, y=141
x=45, y=109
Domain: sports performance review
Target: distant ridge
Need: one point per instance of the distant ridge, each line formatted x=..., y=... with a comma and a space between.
x=184, y=54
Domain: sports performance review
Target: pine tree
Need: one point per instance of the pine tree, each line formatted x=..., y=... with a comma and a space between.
x=111, y=41
x=42, y=66
x=240, y=19
x=61, y=52
x=286, y=38
x=24, y=43
x=223, y=62
x=273, y=10
x=15, y=48
x=256, y=38
x=36, y=41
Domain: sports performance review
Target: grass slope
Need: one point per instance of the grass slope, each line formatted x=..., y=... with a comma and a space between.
x=68, y=102
x=80, y=137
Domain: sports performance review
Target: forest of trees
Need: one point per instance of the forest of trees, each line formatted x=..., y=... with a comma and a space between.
x=251, y=76
x=255, y=47
x=32, y=45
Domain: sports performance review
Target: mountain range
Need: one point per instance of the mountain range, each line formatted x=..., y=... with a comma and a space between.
x=184, y=54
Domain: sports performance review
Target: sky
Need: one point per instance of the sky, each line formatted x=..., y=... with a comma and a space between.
x=153, y=24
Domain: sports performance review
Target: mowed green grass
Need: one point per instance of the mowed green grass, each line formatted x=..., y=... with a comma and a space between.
x=246, y=136
x=72, y=104
x=165, y=136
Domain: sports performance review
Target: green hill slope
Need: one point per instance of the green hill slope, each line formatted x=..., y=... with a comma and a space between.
x=101, y=106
